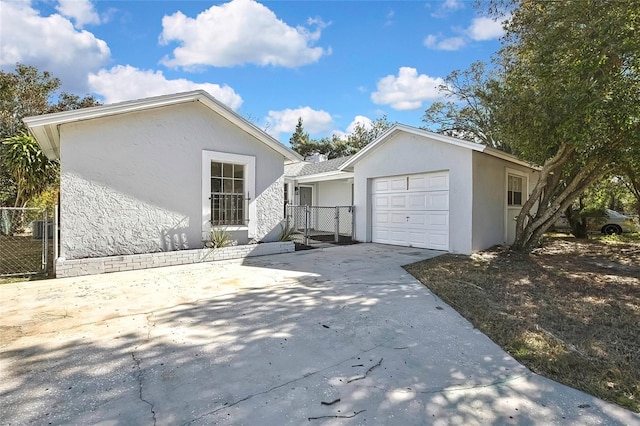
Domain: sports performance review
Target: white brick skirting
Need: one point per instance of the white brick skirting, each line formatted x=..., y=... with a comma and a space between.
x=101, y=265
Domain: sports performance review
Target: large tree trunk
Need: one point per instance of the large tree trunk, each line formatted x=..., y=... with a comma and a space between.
x=577, y=222
x=552, y=195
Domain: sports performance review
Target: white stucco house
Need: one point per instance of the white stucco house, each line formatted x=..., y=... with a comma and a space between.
x=143, y=180
x=416, y=188
x=154, y=175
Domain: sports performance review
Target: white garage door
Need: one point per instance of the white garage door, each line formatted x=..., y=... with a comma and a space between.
x=412, y=210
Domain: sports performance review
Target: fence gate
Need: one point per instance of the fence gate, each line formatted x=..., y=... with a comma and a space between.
x=25, y=236
x=321, y=224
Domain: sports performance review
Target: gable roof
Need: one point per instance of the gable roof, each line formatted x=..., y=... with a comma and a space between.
x=306, y=168
x=399, y=128
x=46, y=128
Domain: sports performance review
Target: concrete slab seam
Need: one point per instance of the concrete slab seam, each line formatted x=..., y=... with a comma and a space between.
x=495, y=383
x=304, y=376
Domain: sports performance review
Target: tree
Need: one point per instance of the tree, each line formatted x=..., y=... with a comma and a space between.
x=336, y=146
x=630, y=174
x=300, y=141
x=565, y=94
x=30, y=169
x=23, y=93
x=569, y=99
x=467, y=114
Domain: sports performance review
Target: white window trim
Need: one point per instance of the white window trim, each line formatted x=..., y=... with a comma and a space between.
x=249, y=163
x=525, y=195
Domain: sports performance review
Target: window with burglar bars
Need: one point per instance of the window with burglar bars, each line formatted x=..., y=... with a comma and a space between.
x=227, y=194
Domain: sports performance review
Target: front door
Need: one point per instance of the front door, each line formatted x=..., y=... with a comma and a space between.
x=306, y=193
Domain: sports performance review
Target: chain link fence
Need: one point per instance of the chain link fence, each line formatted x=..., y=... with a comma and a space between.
x=25, y=236
x=320, y=224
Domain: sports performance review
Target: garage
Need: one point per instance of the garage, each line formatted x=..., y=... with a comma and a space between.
x=411, y=210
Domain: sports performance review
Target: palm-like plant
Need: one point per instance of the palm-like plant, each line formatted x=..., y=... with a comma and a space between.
x=31, y=170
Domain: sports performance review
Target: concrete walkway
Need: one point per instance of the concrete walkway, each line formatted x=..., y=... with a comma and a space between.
x=329, y=336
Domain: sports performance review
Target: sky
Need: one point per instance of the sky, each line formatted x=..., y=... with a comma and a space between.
x=333, y=63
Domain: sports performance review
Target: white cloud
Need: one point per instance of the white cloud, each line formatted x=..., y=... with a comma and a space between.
x=366, y=122
x=485, y=28
x=447, y=7
x=481, y=29
x=389, y=18
x=239, y=32
x=285, y=121
x=439, y=43
x=49, y=43
x=81, y=11
x=122, y=83
x=407, y=90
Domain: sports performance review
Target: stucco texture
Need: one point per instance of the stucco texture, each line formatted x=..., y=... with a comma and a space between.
x=132, y=183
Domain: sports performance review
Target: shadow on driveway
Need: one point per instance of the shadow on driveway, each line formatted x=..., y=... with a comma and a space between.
x=319, y=336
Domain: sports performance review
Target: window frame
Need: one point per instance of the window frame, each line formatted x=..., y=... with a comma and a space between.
x=513, y=207
x=511, y=202
x=229, y=203
x=249, y=165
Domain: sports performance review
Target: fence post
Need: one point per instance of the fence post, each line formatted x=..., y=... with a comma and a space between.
x=307, y=217
x=337, y=221
x=353, y=221
x=45, y=240
x=286, y=216
x=56, y=220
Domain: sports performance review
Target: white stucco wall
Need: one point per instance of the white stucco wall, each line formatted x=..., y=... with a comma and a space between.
x=334, y=193
x=489, y=198
x=132, y=183
x=408, y=154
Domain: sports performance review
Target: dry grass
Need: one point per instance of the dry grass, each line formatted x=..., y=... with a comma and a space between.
x=570, y=311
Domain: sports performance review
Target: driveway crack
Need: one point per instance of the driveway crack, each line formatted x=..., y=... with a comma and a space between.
x=140, y=393
x=304, y=376
x=150, y=324
x=488, y=385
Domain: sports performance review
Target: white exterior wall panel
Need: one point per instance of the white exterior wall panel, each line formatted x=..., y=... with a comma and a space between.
x=489, y=198
x=405, y=155
x=132, y=183
x=333, y=193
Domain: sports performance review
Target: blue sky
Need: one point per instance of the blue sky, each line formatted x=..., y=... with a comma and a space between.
x=331, y=62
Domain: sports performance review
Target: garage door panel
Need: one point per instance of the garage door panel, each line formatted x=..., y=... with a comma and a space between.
x=428, y=182
x=439, y=240
x=397, y=219
x=398, y=184
x=434, y=200
x=381, y=201
x=381, y=218
x=438, y=200
x=398, y=201
x=412, y=210
x=439, y=182
x=413, y=219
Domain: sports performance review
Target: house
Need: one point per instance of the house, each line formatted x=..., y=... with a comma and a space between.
x=154, y=175
x=416, y=188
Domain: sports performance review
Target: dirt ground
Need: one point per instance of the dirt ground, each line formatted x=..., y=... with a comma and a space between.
x=569, y=311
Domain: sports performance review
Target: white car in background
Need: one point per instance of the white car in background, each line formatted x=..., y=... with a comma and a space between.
x=610, y=223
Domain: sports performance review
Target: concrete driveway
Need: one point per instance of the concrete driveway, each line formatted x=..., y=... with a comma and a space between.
x=329, y=336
